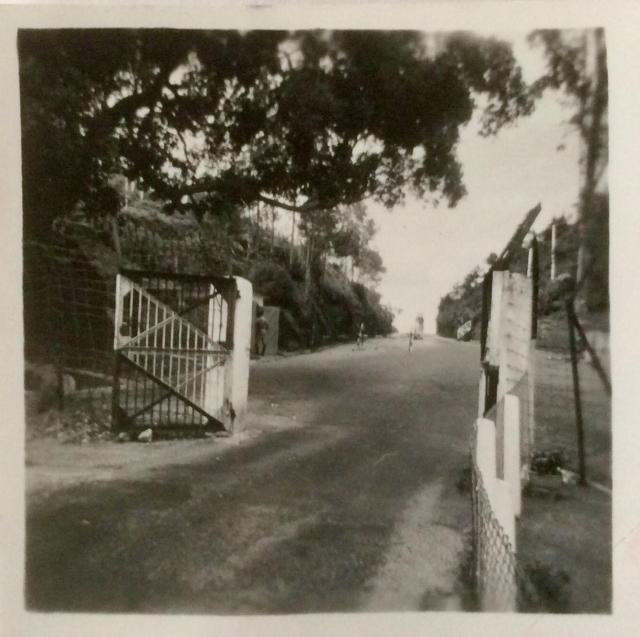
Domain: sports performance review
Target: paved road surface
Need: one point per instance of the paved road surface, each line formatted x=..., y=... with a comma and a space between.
x=344, y=501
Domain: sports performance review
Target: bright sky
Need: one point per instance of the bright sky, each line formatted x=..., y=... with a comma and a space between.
x=426, y=251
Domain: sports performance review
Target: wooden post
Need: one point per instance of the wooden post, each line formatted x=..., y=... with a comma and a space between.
x=595, y=359
x=582, y=470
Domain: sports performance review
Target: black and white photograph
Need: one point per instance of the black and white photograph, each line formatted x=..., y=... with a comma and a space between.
x=316, y=319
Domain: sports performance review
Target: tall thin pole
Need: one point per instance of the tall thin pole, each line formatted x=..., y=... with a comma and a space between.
x=582, y=470
x=553, y=251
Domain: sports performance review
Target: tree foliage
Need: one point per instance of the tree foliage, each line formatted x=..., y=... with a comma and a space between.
x=464, y=302
x=210, y=120
x=577, y=66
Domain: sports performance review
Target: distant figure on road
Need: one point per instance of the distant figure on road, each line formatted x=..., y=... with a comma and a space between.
x=410, y=341
x=360, y=339
x=262, y=327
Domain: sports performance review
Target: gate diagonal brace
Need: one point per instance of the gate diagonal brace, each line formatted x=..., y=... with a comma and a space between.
x=187, y=354
x=212, y=421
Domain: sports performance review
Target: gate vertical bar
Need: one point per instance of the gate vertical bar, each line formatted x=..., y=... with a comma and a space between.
x=117, y=322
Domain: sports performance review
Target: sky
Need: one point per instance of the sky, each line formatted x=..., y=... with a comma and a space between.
x=426, y=251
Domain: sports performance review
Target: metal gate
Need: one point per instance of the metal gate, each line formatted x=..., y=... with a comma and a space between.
x=173, y=336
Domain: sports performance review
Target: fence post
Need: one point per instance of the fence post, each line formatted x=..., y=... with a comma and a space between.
x=498, y=590
x=595, y=359
x=582, y=469
x=535, y=293
x=512, y=472
x=486, y=452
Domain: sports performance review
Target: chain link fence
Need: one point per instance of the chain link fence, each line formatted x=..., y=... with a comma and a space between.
x=561, y=399
x=499, y=580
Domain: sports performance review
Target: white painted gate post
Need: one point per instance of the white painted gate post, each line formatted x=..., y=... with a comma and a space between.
x=496, y=593
x=512, y=471
x=486, y=463
x=215, y=376
x=237, y=379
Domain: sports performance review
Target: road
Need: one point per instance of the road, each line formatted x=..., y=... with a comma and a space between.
x=340, y=497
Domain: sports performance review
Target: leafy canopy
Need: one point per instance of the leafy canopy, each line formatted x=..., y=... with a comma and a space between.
x=212, y=120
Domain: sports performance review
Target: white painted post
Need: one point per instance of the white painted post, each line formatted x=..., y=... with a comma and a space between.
x=237, y=377
x=512, y=473
x=117, y=315
x=496, y=595
x=486, y=452
x=215, y=376
x=486, y=463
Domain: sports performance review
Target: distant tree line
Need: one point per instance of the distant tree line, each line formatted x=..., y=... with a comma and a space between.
x=464, y=302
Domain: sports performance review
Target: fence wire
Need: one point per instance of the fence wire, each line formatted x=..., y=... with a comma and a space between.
x=555, y=408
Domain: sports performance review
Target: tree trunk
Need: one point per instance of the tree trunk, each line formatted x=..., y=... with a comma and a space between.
x=594, y=152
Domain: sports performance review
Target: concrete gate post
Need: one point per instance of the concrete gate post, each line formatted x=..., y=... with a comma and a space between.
x=237, y=381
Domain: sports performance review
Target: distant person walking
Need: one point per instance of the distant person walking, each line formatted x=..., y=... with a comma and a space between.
x=410, y=341
x=262, y=327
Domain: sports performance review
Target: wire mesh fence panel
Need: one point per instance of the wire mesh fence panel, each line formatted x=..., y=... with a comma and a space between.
x=69, y=307
x=555, y=401
x=501, y=583
x=68, y=321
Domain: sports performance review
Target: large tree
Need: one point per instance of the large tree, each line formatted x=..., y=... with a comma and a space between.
x=577, y=66
x=209, y=120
